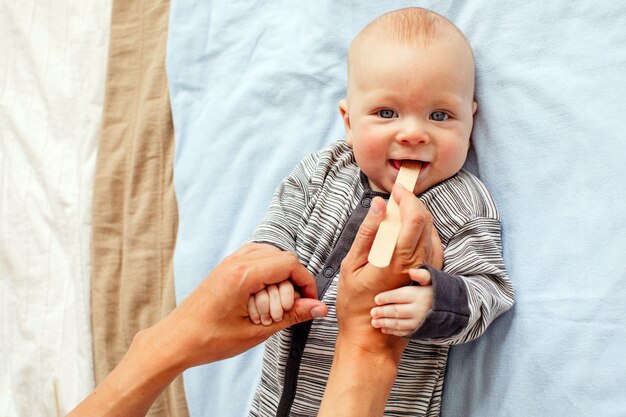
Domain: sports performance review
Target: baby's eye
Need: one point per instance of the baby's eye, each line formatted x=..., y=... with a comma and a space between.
x=387, y=113
x=439, y=116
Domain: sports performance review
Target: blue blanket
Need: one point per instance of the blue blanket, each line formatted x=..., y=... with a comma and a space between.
x=254, y=88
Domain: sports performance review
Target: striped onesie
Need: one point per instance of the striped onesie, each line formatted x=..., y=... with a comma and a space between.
x=315, y=213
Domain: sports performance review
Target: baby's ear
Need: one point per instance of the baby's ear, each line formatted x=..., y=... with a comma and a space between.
x=344, y=110
x=474, y=107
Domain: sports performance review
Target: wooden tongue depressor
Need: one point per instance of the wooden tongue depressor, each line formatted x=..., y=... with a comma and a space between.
x=388, y=231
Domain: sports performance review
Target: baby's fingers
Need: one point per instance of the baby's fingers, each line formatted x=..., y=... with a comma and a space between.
x=286, y=291
x=399, y=333
x=253, y=313
x=398, y=295
x=276, y=308
x=262, y=301
x=395, y=326
x=420, y=276
x=393, y=311
x=396, y=319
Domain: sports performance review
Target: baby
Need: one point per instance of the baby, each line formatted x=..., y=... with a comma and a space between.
x=410, y=96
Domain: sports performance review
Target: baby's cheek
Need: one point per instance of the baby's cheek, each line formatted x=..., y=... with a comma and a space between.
x=374, y=148
x=455, y=154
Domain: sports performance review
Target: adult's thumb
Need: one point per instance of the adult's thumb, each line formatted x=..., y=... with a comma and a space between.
x=304, y=309
x=364, y=238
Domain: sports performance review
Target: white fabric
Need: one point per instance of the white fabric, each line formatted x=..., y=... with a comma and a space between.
x=52, y=69
x=255, y=86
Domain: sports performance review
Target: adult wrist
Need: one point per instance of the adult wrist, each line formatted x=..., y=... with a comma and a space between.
x=360, y=379
x=384, y=356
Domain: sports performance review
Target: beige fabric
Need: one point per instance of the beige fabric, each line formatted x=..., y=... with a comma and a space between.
x=134, y=207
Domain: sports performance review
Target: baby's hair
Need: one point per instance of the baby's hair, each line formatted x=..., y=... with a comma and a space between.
x=406, y=25
x=410, y=25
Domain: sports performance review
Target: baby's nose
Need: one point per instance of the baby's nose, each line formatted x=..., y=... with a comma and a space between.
x=412, y=133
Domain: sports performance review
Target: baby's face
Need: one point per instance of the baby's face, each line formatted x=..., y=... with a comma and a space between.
x=410, y=103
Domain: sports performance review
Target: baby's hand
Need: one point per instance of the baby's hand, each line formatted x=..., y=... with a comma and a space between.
x=402, y=310
x=268, y=305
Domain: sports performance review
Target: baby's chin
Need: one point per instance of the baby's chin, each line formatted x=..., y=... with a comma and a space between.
x=383, y=189
x=378, y=188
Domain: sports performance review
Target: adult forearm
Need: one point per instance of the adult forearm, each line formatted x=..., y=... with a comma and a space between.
x=210, y=324
x=359, y=381
x=131, y=388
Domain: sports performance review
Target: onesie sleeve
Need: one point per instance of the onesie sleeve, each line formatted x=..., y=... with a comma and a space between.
x=472, y=290
x=282, y=220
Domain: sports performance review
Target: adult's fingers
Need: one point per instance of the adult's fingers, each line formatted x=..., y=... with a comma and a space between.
x=436, y=250
x=258, y=270
x=304, y=309
x=357, y=256
x=253, y=312
x=422, y=253
x=415, y=229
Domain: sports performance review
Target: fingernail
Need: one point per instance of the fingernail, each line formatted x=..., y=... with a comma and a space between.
x=317, y=312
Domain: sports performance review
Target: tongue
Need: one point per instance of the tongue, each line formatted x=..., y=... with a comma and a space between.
x=397, y=163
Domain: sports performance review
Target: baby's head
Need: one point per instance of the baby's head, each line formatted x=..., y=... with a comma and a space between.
x=410, y=96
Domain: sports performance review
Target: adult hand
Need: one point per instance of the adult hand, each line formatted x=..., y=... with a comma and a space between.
x=366, y=360
x=210, y=324
x=418, y=244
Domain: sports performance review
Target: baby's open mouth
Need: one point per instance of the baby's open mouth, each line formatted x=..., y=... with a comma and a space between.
x=397, y=163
